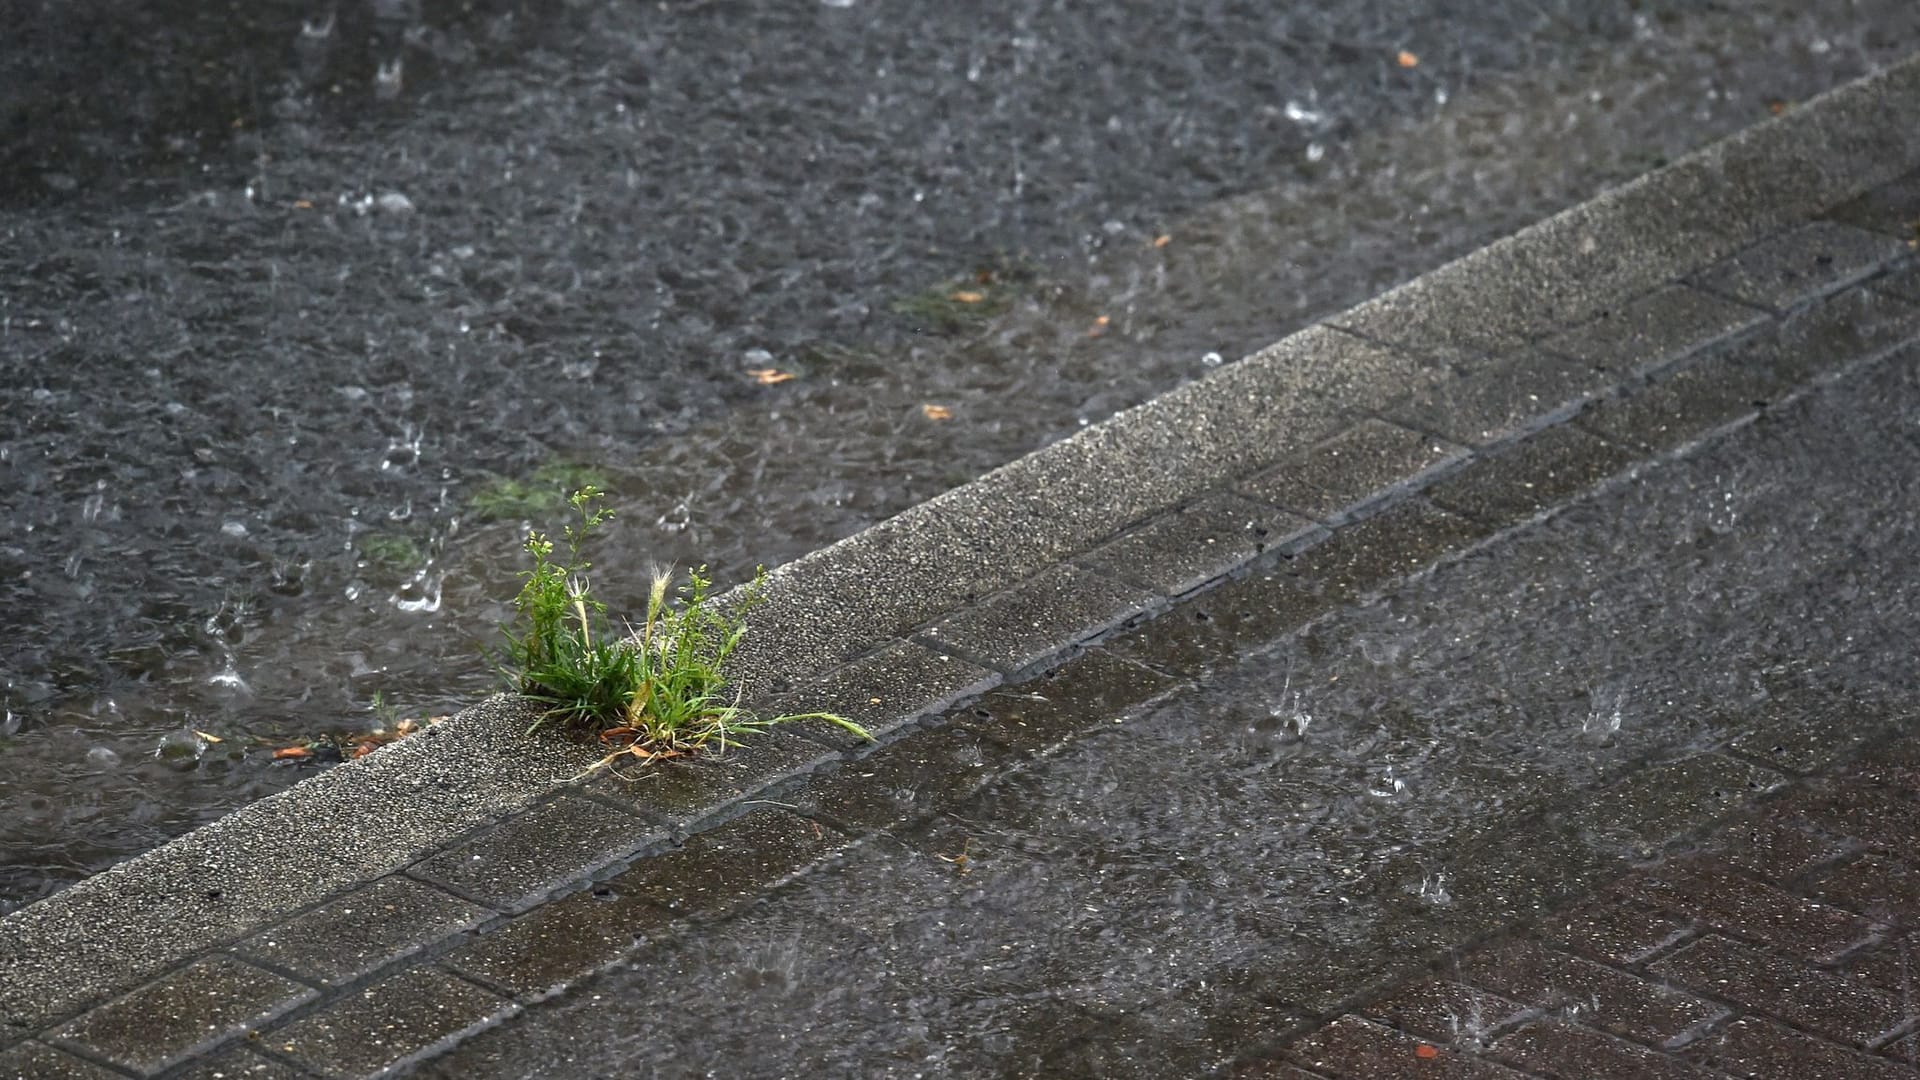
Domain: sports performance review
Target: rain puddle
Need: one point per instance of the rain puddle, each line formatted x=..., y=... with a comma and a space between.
x=1300, y=826
x=293, y=355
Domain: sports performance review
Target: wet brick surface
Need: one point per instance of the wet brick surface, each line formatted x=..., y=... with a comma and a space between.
x=1179, y=552
x=1652, y=331
x=38, y=1061
x=514, y=864
x=885, y=691
x=1787, y=270
x=1057, y=609
x=183, y=1013
x=369, y=927
x=386, y=1024
x=1352, y=467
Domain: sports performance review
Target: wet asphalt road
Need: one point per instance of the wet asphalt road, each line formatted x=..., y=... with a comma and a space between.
x=283, y=287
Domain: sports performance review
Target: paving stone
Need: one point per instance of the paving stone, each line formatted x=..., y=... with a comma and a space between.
x=682, y=793
x=1039, y=715
x=1504, y=399
x=1180, y=551
x=1806, y=732
x=904, y=781
x=1892, y=208
x=1904, y=1050
x=1756, y=1048
x=1654, y=806
x=1877, y=887
x=1195, y=1031
x=1767, y=846
x=1358, y=1049
x=1741, y=907
x=1652, y=331
x=554, y=944
x=183, y=1013
x=1793, y=267
x=1039, y=618
x=1888, y=824
x=344, y=939
x=1893, y=766
x=883, y=692
x=1683, y=405
x=1903, y=284
x=1617, y=933
x=1400, y=540
x=1449, y=1013
x=516, y=864
x=38, y=1061
x=1361, y=556
x=1562, y=1051
x=1836, y=1006
x=1609, y=1000
x=1517, y=481
x=730, y=864
x=1892, y=965
x=395, y=1021
x=1853, y=327
x=1213, y=628
x=1368, y=460
x=241, y=1063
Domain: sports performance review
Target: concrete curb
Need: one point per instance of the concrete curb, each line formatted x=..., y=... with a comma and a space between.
x=1619, y=301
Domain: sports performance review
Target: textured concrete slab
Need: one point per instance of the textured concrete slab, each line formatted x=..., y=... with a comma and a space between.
x=885, y=691
x=683, y=793
x=1371, y=458
x=1045, y=617
x=388, y=1024
x=218, y=883
x=362, y=931
x=38, y=1061
x=1504, y=399
x=515, y=864
x=1652, y=331
x=1529, y=476
x=190, y=1010
x=1094, y=688
x=1814, y=260
x=1176, y=553
x=1684, y=405
x=242, y=1063
x=1892, y=208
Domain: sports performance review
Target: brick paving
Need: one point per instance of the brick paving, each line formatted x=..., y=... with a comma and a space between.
x=1781, y=947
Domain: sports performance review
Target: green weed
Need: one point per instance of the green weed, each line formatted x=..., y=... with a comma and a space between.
x=660, y=689
x=958, y=303
x=503, y=498
x=391, y=553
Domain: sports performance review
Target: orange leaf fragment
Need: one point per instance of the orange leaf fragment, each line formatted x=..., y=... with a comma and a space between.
x=288, y=752
x=1427, y=1051
x=967, y=296
x=936, y=412
x=1776, y=106
x=1163, y=240
x=364, y=749
x=767, y=376
x=206, y=737
x=1407, y=59
x=303, y=204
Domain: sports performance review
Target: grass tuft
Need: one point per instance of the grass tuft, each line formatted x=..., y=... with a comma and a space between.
x=657, y=691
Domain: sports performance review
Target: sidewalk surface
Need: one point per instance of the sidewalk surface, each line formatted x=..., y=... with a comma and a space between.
x=1544, y=708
